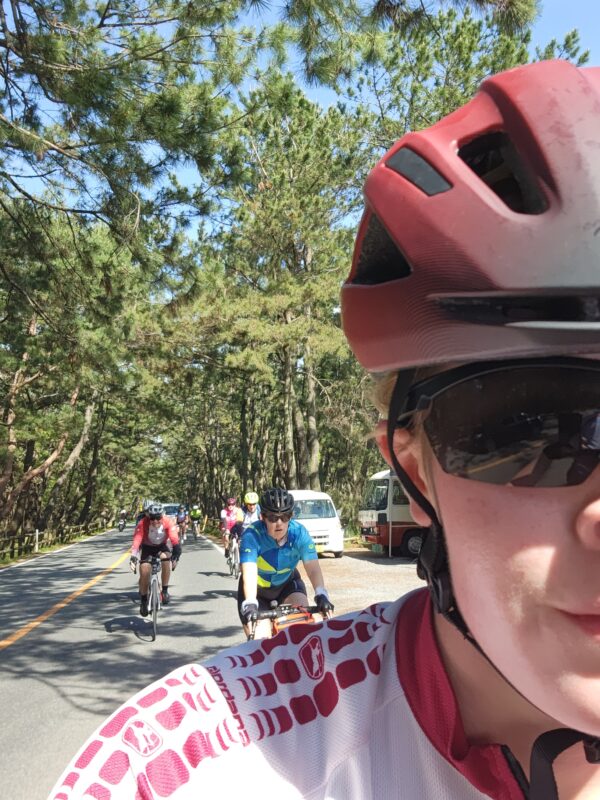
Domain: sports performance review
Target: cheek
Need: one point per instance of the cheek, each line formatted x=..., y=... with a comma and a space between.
x=513, y=559
x=499, y=549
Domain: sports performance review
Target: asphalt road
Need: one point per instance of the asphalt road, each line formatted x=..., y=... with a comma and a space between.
x=73, y=646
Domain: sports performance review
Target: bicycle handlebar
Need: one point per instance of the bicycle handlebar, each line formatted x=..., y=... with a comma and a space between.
x=281, y=611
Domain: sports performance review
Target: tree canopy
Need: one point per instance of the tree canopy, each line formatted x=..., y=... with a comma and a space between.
x=177, y=214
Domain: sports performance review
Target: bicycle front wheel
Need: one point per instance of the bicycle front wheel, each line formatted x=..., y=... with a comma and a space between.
x=154, y=603
x=236, y=564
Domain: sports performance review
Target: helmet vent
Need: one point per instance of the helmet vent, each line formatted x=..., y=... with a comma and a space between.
x=419, y=172
x=495, y=160
x=505, y=309
x=380, y=259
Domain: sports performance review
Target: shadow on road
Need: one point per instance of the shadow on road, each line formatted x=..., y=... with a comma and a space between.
x=89, y=652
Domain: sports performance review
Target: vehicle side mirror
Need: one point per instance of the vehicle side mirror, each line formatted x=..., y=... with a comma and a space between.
x=382, y=518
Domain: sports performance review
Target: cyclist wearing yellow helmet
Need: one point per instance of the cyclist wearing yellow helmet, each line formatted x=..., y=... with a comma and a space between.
x=250, y=510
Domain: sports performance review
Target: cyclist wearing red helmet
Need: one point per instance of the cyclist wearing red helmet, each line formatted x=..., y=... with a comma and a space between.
x=474, y=296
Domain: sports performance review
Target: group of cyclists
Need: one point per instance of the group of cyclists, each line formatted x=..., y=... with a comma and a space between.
x=473, y=300
x=272, y=544
x=234, y=520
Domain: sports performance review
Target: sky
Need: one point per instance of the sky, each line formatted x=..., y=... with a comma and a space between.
x=558, y=17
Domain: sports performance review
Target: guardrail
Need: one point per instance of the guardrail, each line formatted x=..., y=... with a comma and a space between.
x=28, y=542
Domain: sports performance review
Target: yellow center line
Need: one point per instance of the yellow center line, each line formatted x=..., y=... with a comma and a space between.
x=14, y=637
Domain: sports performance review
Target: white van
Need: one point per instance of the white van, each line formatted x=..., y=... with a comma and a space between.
x=384, y=517
x=316, y=511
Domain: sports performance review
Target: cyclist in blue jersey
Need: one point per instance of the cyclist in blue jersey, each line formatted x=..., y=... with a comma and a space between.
x=270, y=551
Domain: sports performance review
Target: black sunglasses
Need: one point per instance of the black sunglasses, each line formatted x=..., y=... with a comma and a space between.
x=270, y=517
x=532, y=422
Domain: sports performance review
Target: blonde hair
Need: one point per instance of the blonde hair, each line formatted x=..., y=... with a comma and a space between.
x=383, y=386
x=381, y=396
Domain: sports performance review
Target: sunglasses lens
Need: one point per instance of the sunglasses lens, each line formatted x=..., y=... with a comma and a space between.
x=275, y=517
x=536, y=427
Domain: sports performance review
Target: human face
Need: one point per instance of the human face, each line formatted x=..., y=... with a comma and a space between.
x=277, y=525
x=525, y=566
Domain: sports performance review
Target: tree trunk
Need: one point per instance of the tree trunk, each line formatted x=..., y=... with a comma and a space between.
x=302, y=446
x=289, y=457
x=73, y=458
x=30, y=475
x=24, y=513
x=244, y=443
x=314, y=446
x=92, y=474
x=18, y=382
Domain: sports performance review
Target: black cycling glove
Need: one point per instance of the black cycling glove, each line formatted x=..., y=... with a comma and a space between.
x=323, y=603
x=176, y=554
x=249, y=608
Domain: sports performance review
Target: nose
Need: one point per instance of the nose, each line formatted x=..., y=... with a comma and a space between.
x=587, y=524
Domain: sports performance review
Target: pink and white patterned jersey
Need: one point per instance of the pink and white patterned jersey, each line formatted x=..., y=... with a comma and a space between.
x=358, y=708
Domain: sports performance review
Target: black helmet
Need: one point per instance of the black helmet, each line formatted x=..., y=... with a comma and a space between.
x=155, y=511
x=280, y=501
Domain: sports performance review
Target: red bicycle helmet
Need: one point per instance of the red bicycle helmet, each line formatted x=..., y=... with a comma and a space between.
x=481, y=235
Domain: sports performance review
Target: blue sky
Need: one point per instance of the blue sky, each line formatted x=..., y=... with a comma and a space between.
x=560, y=16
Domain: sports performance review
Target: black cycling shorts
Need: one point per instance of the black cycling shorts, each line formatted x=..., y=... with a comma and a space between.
x=266, y=594
x=149, y=550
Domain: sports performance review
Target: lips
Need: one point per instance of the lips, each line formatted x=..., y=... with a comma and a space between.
x=589, y=623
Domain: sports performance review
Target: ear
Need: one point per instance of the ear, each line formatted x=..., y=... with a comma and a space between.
x=409, y=463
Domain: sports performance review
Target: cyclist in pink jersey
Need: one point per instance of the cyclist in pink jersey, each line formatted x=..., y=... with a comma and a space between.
x=230, y=516
x=474, y=300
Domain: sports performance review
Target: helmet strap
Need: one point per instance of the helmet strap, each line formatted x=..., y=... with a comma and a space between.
x=545, y=750
x=432, y=563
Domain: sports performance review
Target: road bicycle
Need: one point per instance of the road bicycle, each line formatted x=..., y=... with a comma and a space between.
x=195, y=529
x=155, y=592
x=233, y=559
x=284, y=616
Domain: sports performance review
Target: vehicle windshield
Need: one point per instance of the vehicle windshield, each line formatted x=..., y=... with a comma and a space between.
x=314, y=509
x=376, y=495
x=171, y=510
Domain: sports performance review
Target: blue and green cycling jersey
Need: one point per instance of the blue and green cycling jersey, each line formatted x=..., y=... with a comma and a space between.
x=275, y=564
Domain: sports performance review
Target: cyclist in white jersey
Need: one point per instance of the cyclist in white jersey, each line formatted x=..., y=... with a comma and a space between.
x=474, y=297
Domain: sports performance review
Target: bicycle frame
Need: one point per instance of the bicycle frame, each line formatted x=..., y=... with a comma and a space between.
x=233, y=559
x=155, y=592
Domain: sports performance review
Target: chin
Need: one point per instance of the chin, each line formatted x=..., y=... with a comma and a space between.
x=580, y=703
x=573, y=701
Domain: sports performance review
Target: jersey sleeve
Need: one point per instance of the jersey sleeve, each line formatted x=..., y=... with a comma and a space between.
x=249, y=547
x=306, y=546
x=246, y=715
x=138, y=535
